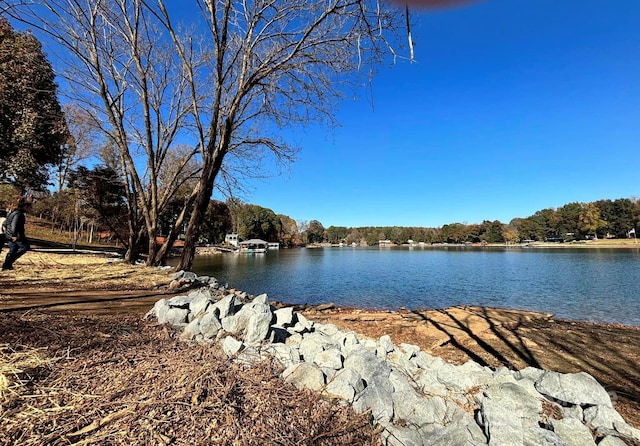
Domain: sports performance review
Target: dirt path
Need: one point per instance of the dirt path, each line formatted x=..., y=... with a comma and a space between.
x=94, y=302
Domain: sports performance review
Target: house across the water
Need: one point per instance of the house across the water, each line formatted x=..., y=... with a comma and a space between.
x=231, y=239
x=253, y=246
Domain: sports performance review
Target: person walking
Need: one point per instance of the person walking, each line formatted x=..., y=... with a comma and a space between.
x=3, y=217
x=14, y=234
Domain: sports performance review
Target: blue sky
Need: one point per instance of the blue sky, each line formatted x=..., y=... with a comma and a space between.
x=511, y=107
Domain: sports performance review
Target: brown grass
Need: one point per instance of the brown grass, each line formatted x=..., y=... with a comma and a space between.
x=122, y=381
x=118, y=380
x=86, y=271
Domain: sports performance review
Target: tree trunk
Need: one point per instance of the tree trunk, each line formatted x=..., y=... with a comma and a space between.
x=195, y=221
x=160, y=257
x=210, y=169
x=153, y=245
x=134, y=249
x=209, y=172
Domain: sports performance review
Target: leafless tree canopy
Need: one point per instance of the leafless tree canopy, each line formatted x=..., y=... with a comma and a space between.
x=223, y=77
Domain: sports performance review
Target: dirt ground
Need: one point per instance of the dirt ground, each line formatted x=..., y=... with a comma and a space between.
x=64, y=290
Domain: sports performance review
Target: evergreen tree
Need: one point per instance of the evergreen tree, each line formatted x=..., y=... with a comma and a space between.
x=33, y=131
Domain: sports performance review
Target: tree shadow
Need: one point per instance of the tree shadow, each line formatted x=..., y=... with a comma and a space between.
x=608, y=353
x=520, y=350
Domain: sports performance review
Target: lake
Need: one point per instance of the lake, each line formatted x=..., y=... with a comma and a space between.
x=598, y=284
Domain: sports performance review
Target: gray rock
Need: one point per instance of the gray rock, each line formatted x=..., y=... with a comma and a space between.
x=231, y=346
x=504, y=376
x=456, y=434
x=284, y=317
x=400, y=381
x=402, y=436
x=236, y=324
x=627, y=430
x=327, y=329
x=572, y=432
x=200, y=300
x=304, y=375
x=330, y=358
x=366, y=364
x=176, y=317
x=294, y=340
x=189, y=276
x=257, y=306
x=399, y=361
x=602, y=416
x=509, y=414
x=344, y=384
x=538, y=436
x=452, y=376
x=380, y=381
x=426, y=361
x=210, y=326
x=339, y=389
x=611, y=440
x=257, y=328
x=416, y=397
x=427, y=382
x=413, y=409
x=409, y=350
x=369, y=344
x=286, y=355
x=530, y=373
x=573, y=388
x=346, y=341
x=159, y=311
x=385, y=345
x=180, y=302
x=376, y=399
x=261, y=299
x=226, y=306
x=192, y=330
x=314, y=343
x=572, y=412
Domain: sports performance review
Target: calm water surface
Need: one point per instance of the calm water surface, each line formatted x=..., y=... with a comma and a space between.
x=585, y=284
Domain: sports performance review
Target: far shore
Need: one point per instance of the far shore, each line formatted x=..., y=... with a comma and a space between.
x=600, y=243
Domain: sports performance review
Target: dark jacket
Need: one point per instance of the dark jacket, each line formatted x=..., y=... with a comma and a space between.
x=15, y=225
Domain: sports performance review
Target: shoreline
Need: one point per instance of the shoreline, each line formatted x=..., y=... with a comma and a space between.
x=526, y=313
x=604, y=243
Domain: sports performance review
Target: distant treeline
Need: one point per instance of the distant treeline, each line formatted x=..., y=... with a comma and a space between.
x=573, y=221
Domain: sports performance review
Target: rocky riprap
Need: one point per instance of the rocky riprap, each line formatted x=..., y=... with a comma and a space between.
x=417, y=398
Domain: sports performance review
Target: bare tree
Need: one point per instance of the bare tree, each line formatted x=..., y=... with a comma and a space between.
x=131, y=83
x=228, y=84
x=82, y=143
x=274, y=63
